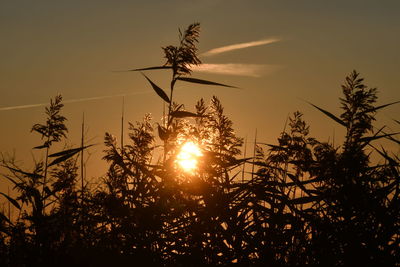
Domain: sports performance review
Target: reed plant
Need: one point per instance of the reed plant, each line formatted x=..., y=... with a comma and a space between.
x=304, y=202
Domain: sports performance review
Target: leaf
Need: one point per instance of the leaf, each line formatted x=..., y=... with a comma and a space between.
x=162, y=133
x=195, y=80
x=47, y=190
x=384, y=154
x=13, y=201
x=37, y=200
x=66, y=154
x=272, y=146
x=392, y=139
x=299, y=183
x=371, y=138
x=330, y=115
x=382, y=106
x=16, y=184
x=42, y=146
x=28, y=174
x=158, y=90
x=69, y=151
x=386, y=189
x=152, y=68
x=61, y=159
x=4, y=218
x=183, y=114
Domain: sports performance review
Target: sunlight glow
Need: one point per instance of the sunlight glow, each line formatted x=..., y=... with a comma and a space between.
x=187, y=158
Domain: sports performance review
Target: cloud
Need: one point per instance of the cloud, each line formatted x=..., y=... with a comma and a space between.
x=71, y=101
x=249, y=70
x=227, y=48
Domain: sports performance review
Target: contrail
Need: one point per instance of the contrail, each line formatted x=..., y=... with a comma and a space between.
x=72, y=101
x=249, y=70
x=227, y=48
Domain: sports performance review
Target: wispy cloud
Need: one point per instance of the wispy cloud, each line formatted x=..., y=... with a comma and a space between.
x=249, y=70
x=72, y=101
x=227, y=48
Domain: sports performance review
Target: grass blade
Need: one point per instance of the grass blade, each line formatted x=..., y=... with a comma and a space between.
x=62, y=158
x=41, y=147
x=12, y=201
x=383, y=106
x=195, y=80
x=162, y=133
x=69, y=151
x=330, y=115
x=160, y=92
x=371, y=138
x=66, y=154
x=4, y=218
x=152, y=68
x=28, y=174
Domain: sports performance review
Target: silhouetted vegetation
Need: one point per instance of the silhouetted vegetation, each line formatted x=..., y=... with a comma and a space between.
x=297, y=202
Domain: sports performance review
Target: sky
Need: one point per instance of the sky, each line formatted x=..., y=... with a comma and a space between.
x=279, y=53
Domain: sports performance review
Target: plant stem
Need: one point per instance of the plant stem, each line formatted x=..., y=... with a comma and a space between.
x=45, y=173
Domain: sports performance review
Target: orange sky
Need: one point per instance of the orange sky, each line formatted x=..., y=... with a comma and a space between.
x=73, y=47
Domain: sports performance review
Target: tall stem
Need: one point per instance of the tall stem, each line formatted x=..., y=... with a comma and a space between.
x=171, y=94
x=82, y=172
x=254, y=155
x=82, y=144
x=244, y=156
x=45, y=173
x=122, y=127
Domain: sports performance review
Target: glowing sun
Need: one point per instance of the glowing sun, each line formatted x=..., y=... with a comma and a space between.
x=187, y=158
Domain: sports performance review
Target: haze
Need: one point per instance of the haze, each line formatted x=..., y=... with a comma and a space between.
x=75, y=47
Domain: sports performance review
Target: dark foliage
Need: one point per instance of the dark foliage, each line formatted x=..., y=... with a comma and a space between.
x=305, y=202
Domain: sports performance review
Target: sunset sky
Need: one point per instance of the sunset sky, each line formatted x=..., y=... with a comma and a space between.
x=276, y=52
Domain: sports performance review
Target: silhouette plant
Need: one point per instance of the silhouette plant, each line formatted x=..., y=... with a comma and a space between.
x=305, y=202
x=358, y=220
x=46, y=197
x=328, y=200
x=168, y=210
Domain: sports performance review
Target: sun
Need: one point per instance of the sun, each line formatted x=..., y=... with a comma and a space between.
x=188, y=156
